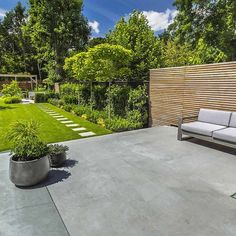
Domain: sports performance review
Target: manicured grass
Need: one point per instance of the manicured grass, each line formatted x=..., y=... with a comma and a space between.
x=51, y=130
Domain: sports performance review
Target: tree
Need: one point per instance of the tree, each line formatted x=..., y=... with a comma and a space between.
x=56, y=28
x=96, y=41
x=135, y=34
x=16, y=49
x=103, y=62
x=209, y=23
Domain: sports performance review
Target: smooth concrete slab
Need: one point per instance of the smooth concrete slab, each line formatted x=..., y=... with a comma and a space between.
x=87, y=134
x=26, y=212
x=79, y=129
x=147, y=183
x=72, y=125
x=66, y=121
x=138, y=183
x=61, y=119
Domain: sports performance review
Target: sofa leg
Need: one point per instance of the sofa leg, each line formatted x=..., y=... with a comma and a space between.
x=180, y=134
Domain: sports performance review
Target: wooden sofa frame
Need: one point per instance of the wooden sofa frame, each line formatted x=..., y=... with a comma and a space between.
x=199, y=136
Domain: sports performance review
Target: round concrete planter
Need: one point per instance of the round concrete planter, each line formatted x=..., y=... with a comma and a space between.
x=28, y=173
x=57, y=160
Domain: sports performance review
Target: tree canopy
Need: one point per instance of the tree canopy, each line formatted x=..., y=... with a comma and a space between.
x=56, y=28
x=103, y=62
x=135, y=34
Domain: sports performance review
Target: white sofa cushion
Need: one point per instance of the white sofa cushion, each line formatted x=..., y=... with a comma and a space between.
x=233, y=120
x=214, y=117
x=201, y=128
x=228, y=134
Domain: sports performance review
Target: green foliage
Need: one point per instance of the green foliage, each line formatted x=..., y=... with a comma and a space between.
x=56, y=28
x=103, y=62
x=138, y=104
x=12, y=100
x=136, y=35
x=11, y=89
x=26, y=144
x=44, y=96
x=96, y=41
x=55, y=149
x=17, y=53
x=118, y=99
x=208, y=26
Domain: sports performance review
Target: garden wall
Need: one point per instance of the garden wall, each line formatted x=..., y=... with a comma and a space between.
x=182, y=91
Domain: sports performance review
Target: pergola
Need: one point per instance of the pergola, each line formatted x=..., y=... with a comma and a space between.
x=33, y=78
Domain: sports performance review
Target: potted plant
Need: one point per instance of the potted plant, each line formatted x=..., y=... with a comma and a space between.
x=29, y=163
x=57, y=155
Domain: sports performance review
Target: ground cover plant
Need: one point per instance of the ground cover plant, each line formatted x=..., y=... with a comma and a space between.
x=50, y=130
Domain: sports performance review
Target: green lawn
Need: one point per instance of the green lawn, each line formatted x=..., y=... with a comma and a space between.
x=51, y=130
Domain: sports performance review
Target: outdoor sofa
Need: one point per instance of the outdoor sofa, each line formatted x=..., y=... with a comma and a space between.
x=212, y=125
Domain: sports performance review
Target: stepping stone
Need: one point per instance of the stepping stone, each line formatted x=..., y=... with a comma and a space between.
x=53, y=114
x=72, y=125
x=60, y=119
x=67, y=122
x=57, y=116
x=87, y=134
x=79, y=129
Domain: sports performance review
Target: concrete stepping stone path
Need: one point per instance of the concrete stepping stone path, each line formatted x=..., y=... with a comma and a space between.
x=79, y=129
x=57, y=116
x=61, y=119
x=72, y=125
x=67, y=122
x=87, y=134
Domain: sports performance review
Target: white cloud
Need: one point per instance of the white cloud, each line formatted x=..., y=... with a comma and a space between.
x=160, y=20
x=2, y=12
x=95, y=26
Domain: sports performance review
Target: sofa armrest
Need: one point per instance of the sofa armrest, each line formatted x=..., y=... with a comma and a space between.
x=180, y=122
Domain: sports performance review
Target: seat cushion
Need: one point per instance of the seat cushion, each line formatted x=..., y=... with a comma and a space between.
x=233, y=120
x=214, y=117
x=201, y=128
x=228, y=134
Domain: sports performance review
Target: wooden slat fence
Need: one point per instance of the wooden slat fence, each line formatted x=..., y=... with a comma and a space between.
x=182, y=91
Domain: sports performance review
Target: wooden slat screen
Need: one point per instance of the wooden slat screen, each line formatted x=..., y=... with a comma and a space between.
x=184, y=90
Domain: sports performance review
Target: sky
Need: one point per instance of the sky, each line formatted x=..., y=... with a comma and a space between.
x=103, y=14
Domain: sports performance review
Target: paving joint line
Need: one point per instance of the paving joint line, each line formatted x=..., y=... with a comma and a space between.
x=58, y=211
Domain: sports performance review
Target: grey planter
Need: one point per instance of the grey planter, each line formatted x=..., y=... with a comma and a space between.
x=28, y=173
x=57, y=160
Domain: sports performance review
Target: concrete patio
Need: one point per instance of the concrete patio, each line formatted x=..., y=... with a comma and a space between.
x=139, y=183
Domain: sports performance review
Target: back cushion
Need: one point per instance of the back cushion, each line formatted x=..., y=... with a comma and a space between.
x=214, y=116
x=233, y=120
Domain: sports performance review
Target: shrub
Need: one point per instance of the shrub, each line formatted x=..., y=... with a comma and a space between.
x=70, y=99
x=26, y=144
x=44, y=97
x=40, y=98
x=11, y=100
x=138, y=105
x=118, y=98
x=12, y=89
x=117, y=124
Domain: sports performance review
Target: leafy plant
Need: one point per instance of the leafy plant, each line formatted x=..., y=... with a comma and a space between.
x=103, y=62
x=55, y=149
x=26, y=144
x=12, y=89
x=11, y=100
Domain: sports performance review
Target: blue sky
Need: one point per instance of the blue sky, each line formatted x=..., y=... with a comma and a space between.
x=103, y=14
